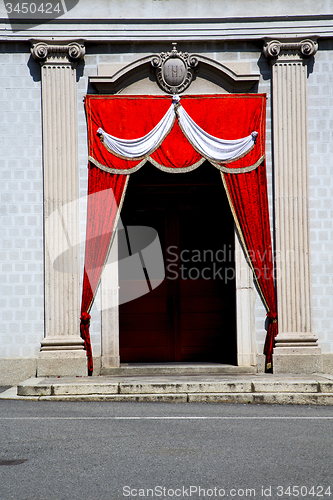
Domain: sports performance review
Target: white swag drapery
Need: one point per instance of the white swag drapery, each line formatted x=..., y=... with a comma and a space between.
x=211, y=147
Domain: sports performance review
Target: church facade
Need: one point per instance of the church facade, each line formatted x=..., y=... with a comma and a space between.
x=205, y=303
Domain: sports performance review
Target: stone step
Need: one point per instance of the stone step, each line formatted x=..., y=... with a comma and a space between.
x=244, y=398
x=177, y=369
x=208, y=385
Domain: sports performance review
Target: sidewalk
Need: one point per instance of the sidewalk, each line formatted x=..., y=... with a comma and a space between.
x=316, y=389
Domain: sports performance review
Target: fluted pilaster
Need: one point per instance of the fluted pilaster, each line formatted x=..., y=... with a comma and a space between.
x=62, y=342
x=296, y=347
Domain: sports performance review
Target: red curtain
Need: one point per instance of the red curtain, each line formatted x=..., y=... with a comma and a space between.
x=247, y=196
x=224, y=116
x=105, y=195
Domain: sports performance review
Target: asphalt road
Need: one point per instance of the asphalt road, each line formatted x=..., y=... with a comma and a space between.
x=112, y=451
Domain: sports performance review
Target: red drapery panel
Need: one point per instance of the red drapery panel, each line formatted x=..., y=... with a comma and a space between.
x=223, y=116
x=247, y=195
x=105, y=194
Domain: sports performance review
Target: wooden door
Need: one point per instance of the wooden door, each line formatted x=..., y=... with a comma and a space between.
x=191, y=315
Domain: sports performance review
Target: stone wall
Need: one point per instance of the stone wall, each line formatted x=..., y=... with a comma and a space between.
x=320, y=123
x=22, y=311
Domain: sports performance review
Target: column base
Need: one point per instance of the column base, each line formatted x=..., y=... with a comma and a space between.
x=297, y=360
x=62, y=342
x=62, y=363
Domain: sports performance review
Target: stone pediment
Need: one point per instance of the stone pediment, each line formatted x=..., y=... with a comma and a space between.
x=207, y=76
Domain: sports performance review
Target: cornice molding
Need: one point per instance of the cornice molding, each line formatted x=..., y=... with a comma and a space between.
x=124, y=26
x=57, y=52
x=277, y=50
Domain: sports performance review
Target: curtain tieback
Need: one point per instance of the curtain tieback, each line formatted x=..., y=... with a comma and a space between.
x=85, y=318
x=84, y=329
x=272, y=316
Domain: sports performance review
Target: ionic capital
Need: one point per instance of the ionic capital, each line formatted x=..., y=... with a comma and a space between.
x=277, y=50
x=57, y=52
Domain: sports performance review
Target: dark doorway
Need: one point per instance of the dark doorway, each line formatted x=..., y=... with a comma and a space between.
x=191, y=315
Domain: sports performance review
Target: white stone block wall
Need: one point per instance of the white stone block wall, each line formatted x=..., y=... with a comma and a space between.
x=320, y=135
x=21, y=204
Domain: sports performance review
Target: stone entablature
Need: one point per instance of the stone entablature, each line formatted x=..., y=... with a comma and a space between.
x=181, y=21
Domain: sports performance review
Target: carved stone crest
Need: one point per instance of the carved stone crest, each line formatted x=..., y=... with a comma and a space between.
x=174, y=70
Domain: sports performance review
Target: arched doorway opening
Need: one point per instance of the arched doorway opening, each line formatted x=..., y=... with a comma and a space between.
x=212, y=78
x=191, y=315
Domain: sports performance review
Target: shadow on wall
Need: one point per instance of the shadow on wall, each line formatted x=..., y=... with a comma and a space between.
x=22, y=20
x=34, y=68
x=35, y=72
x=264, y=67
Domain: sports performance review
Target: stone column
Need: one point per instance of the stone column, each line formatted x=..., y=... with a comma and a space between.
x=296, y=349
x=62, y=348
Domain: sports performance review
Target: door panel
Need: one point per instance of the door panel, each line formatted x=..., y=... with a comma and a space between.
x=183, y=319
x=153, y=338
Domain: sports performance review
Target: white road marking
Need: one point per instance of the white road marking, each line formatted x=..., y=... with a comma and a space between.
x=168, y=418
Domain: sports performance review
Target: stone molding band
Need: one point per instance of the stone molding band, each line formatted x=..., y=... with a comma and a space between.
x=304, y=48
x=42, y=51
